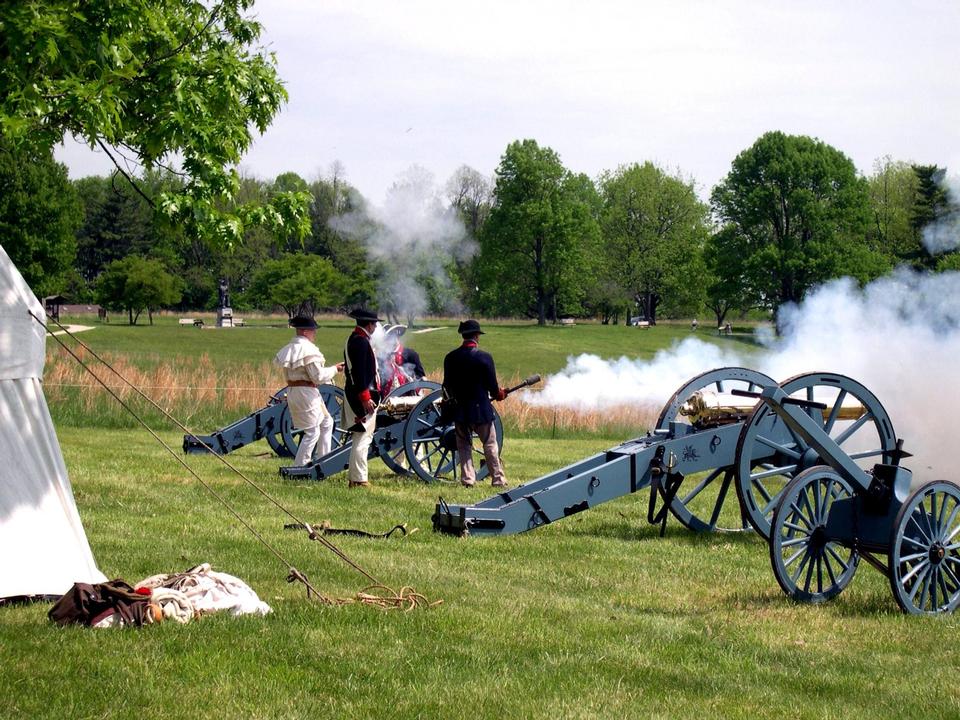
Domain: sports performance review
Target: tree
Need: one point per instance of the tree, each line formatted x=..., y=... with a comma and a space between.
x=136, y=284
x=154, y=82
x=725, y=284
x=39, y=215
x=893, y=191
x=470, y=194
x=300, y=284
x=936, y=215
x=654, y=228
x=332, y=198
x=118, y=222
x=539, y=238
x=800, y=211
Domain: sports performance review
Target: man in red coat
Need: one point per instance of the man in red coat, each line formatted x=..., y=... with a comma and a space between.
x=362, y=393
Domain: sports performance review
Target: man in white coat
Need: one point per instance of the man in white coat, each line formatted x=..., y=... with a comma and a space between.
x=303, y=364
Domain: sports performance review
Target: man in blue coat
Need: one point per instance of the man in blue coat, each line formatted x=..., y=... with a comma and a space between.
x=470, y=382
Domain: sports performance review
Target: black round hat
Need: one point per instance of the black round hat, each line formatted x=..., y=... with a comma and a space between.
x=470, y=327
x=364, y=316
x=303, y=322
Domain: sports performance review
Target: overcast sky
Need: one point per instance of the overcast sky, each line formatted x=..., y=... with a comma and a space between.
x=381, y=86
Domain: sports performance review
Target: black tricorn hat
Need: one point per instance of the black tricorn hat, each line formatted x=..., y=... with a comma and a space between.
x=470, y=327
x=364, y=316
x=303, y=322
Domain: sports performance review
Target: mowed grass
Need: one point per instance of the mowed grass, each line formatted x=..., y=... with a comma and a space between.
x=593, y=616
x=519, y=348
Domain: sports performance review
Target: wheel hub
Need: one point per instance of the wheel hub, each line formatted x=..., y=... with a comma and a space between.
x=818, y=538
x=448, y=438
x=937, y=553
x=809, y=458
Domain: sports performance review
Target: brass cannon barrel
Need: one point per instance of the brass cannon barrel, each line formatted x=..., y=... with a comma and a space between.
x=708, y=408
x=401, y=405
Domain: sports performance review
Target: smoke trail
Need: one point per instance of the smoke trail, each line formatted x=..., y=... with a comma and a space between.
x=411, y=239
x=944, y=234
x=899, y=336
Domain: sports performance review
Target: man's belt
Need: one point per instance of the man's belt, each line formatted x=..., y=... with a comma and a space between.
x=301, y=383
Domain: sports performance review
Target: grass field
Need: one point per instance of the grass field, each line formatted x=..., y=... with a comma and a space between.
x=594, y=616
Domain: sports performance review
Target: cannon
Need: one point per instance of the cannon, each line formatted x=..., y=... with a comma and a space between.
x=411, y=438
x=686, y=441
x=273, y=422
x=816, y=467
x=695, y=461
x=833, y=513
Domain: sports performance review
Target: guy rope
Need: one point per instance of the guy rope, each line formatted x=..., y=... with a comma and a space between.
x=376, y=593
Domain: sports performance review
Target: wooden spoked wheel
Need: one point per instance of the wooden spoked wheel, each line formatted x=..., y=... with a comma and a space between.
x=699, y=503
x=808, y=566
x=924, y=558
x=770, y=455
x=392, y=452
x=431, y=443
x=285, y=438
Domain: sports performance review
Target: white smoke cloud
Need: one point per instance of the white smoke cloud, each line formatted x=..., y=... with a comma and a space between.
x=412, y=237
x=944, y=234
x=899, y=336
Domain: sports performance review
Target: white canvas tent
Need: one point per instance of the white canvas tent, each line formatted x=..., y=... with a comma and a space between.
x=43, y=548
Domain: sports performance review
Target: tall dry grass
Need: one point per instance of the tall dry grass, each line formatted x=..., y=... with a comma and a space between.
x=537, y=420
x=199, y=393
x=194, y=391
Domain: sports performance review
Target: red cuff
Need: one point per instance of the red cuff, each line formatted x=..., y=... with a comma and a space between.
x=365, y=395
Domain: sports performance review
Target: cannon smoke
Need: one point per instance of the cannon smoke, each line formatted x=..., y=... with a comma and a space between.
x=411, y=238
x=899, y=336
x=944, y=234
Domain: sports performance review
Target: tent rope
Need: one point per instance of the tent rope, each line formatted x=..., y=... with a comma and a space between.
x=294, y=575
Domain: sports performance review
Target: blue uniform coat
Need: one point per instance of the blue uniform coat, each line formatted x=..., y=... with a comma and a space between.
x=470, y=379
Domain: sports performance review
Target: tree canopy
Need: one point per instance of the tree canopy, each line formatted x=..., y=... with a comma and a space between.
x=135, y=284
x=799, y=213
x=160, y=83
x=654, y=228
x=298, y=284
x=39, y=217
x=541, y=235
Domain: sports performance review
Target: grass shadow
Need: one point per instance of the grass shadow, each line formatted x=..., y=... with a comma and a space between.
x=872, y=604
x=639, y=530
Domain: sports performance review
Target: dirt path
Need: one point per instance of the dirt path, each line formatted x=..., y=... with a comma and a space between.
x=75, y=329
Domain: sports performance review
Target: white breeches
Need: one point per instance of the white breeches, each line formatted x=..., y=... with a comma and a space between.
x=310, y=415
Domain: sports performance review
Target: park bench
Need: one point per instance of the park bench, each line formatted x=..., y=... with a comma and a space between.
x=196, y=322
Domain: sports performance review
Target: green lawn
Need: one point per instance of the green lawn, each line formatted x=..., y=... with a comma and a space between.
x=519, y=348
x=593, y=616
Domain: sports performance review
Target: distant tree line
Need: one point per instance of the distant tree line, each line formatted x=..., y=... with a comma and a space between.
x=178, y=90
x=550, y=243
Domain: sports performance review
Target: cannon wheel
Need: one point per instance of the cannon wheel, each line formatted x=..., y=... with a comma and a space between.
x=924, y=558
x=395, y=457
x=699, y=508
x=761, y=482
x=285, y=440
x=808, y=567
x=275, y=437
x=431, y=445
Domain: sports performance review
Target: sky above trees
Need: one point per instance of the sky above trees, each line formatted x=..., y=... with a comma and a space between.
x=382, y=86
